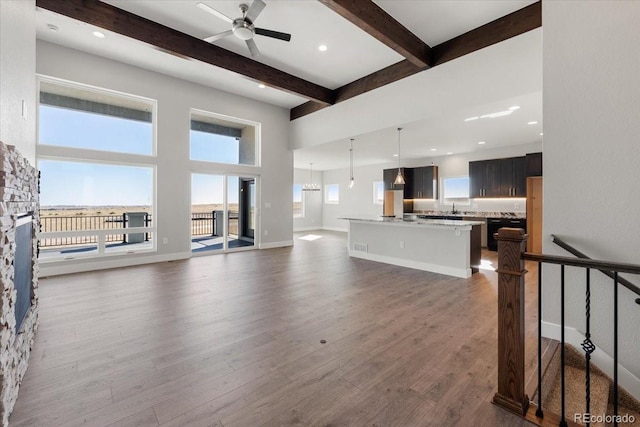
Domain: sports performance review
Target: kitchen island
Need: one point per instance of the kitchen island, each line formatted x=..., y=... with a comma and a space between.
x=440, y=246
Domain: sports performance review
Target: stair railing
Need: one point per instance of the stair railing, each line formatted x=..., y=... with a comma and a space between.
x=511, y=360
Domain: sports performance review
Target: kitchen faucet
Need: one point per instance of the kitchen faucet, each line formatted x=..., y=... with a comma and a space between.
x=453, y=209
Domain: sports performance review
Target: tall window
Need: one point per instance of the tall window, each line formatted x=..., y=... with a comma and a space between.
x=79, y=117
x=298, y=201
x=455, y=190
x=332, y=194
x=220, y=140
x=378, y=192
x=88, y=203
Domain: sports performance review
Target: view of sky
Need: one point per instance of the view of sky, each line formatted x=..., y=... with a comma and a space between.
x=94, y=184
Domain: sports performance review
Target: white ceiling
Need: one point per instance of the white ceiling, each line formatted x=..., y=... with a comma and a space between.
x=351, y=54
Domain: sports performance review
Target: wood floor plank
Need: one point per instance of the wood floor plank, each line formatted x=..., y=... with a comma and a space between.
x=235, y=340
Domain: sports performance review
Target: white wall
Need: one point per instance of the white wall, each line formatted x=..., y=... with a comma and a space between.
x=17, y=76
x=359, y=200
x=312, y=201
x=591, y=64
x=175, y=99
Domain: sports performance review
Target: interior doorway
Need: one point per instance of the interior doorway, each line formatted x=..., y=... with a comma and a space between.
x=223, y=212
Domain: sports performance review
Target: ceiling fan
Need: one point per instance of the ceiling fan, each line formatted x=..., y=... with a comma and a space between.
x=243, y=27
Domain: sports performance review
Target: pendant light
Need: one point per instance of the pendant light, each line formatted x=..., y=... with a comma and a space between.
x=352, y=181
x=310, y=186
x=399, y=178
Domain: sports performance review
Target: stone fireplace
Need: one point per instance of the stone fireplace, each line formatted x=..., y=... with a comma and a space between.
x=19, y=225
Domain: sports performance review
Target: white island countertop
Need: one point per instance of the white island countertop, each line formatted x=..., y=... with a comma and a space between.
x=465, y=225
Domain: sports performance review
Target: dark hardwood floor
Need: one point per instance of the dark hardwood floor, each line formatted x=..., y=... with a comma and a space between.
x=235, y=340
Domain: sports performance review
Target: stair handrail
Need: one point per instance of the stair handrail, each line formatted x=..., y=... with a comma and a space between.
x=603, y=267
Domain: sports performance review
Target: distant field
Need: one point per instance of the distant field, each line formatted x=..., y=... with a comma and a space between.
x=46, y=211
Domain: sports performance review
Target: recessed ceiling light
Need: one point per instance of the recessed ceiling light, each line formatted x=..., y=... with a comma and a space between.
x=449, y=153
x=541, y=134
x=482, y=142
x=261, y=86
x=98, y=34
x=532, y=123
x=322, y=48
x=433, y=149
x=471, y=118
x=52, y=27
x=395, y=155
x=515, y=107
x=496, y=114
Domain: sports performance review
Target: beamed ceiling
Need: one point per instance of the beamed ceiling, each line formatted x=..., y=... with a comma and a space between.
x=372, y=45
x=364, y=14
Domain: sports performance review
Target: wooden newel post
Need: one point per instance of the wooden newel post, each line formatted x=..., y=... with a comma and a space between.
x=512, y=243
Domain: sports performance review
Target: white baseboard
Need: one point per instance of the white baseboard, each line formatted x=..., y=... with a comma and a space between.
x=272, y=245
x=599, y=357
x=62, y=267
x=310, y=228
x=424, y=266
x=341, y=229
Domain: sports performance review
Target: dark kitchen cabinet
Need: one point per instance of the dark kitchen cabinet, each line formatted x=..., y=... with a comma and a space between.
x=498, y=178
x=534, y=164
x=425, y=182
x=484, y=179
x=389, y=176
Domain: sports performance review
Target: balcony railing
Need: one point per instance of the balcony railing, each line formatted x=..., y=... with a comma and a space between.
x=202, y=224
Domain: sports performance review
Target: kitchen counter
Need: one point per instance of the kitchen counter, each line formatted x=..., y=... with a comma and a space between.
x=448, y=247
x=418, y=222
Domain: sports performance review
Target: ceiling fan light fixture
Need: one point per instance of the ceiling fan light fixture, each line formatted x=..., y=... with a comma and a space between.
x=243, y=30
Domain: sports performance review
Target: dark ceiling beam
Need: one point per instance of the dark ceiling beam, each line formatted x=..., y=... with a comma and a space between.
x=380, y=78
x=511, y=25
x=374, y=20
x=119, y=21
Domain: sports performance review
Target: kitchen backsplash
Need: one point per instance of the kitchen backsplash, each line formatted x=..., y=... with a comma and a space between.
x=516, y=205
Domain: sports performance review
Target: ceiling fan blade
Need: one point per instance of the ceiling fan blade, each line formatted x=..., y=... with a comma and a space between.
x=214, y=12
x=218, y=36
x=253, y=48
x=255, y=9
x=273, y=34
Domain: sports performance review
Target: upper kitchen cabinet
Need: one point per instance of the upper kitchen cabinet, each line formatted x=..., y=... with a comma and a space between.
x=425, y=182
x=498, y=178
x=389, y=176
x=484, y=179
x=534, y=164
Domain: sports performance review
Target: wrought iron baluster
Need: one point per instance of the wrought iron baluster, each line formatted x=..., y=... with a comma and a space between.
x=588, y=346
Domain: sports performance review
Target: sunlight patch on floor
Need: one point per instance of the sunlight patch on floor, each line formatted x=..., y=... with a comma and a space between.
x=485, y=264
x=310, y=237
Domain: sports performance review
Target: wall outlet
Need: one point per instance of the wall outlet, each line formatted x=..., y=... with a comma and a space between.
x=516, y=206
x=475, y=206
x=401, y=244
x=266, y=232
x=165, y=240
x=457, y=232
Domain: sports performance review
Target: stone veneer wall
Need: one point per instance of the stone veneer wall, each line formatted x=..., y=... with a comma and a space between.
x=18, y=195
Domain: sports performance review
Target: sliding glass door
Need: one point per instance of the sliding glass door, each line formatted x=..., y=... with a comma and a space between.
x=223, y=212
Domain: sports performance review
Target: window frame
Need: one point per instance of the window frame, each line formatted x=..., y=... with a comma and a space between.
x=115, y=158
x=461, y=201
x=222, y=117
x=153, y=104
x=302, y=201
x=326, y=194
x=375, y=192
